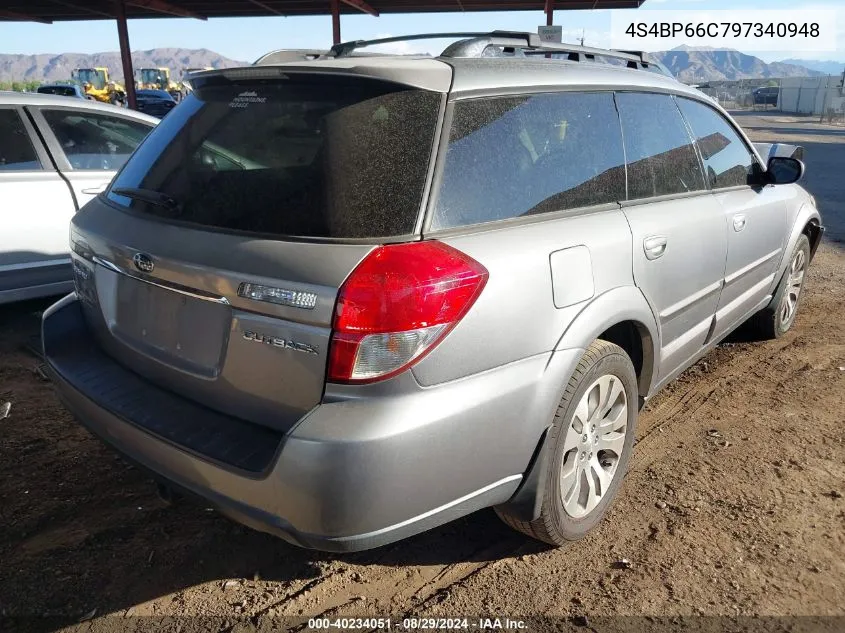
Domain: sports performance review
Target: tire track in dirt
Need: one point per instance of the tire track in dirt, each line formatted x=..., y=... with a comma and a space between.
x=710, y=376
x=391, y=590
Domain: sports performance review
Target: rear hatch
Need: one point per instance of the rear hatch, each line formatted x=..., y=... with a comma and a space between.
x=212, y=265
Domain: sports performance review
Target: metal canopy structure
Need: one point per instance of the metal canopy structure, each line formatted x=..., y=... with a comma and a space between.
x=64, y=10
x=50, y=11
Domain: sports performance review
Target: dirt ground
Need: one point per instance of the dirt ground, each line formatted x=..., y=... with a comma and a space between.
x=733, y=507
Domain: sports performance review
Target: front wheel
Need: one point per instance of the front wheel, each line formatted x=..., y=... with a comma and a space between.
x=774, y=320
x=590, y=444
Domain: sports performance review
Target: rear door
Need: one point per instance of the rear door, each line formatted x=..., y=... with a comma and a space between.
x=215, y=258
x=755, y=216
x=677, y=225
x=35, y=211
x=88, y=146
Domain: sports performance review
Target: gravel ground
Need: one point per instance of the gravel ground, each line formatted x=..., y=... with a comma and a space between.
x=732, y=511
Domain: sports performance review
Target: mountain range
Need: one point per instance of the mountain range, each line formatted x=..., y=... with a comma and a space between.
x=687, y=64
x=46, y=67
x=695, y=65
x=826, y=67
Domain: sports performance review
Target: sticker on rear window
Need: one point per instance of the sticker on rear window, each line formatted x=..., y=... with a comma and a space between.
x=245, y=98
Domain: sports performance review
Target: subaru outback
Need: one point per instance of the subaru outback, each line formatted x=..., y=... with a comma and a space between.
x=350, y=299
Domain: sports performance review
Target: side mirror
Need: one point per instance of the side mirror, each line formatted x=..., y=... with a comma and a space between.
x=784, y=171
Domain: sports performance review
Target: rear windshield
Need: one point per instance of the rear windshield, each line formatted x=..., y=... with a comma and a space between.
x=65, y=91
x=309, y=155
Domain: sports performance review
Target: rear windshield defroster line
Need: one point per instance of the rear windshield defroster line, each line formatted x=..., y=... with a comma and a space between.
x=306, y=156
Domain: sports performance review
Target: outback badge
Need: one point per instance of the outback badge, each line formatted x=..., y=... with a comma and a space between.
x=276, y=341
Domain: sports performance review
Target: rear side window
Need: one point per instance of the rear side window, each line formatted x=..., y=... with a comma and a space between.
x=660, y=153
x=16, y=151
x=519, y=156
x=727, y=160
x=312, y=155
x=94, y=141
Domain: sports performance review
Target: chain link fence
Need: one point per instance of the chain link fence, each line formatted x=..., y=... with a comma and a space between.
x=744, y=94
x=822, y=96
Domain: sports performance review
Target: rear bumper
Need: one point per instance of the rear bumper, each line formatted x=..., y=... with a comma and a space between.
x=354, y=473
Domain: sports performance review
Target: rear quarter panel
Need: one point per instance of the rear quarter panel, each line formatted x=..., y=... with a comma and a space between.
x=515, y=316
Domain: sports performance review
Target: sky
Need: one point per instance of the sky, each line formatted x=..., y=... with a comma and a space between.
x=246, y=39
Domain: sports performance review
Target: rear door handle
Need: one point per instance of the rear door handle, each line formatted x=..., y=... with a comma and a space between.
x=739, y=223
x=93, y=191
x=654, y=246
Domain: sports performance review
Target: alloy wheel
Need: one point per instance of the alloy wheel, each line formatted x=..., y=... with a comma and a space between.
x=794, y=283
x=593, y=445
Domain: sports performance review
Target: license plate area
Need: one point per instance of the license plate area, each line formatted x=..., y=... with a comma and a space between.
x=184, y=332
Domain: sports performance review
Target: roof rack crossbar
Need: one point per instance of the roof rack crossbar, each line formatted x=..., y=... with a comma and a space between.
x=344, y=48
x=472, y=44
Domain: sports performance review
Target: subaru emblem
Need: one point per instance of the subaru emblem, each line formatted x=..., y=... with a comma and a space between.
x=143, y=262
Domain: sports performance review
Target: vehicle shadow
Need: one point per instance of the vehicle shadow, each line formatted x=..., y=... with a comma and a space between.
x=132, y=554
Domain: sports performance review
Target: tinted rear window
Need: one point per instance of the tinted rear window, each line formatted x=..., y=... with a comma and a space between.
x=312, y=156
x=518, y=156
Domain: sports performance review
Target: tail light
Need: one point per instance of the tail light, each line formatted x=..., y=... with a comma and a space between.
x=397, y=304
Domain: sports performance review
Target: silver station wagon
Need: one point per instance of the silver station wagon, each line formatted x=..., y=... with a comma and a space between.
x=349, y=299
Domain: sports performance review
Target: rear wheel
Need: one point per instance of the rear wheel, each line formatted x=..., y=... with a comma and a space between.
x=590, y=445
x=774, y=320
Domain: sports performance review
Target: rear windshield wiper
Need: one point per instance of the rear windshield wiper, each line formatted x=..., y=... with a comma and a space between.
x=147, y=195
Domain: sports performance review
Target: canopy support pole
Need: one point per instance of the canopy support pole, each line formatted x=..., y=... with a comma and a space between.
x=335, y=7
x=125, y=53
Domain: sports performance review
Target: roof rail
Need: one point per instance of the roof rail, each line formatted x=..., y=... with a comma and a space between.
x=518, y=43
x=345, y=48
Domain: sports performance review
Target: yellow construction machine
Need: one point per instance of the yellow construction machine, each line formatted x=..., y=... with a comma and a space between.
x=157, y=79
x=96, y=85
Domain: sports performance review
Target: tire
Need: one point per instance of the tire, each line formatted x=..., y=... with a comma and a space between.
x=774, y=320
x=561, y=522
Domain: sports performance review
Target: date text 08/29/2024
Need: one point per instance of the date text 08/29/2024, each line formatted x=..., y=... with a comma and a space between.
x=413, y=624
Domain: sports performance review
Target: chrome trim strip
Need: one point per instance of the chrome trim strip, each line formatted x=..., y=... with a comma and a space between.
x=747, y=269
x=173, y=287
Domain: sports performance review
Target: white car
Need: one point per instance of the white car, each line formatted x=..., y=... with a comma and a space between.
x=56, y=153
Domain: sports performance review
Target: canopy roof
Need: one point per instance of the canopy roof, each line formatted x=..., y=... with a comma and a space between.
x=48, y=11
